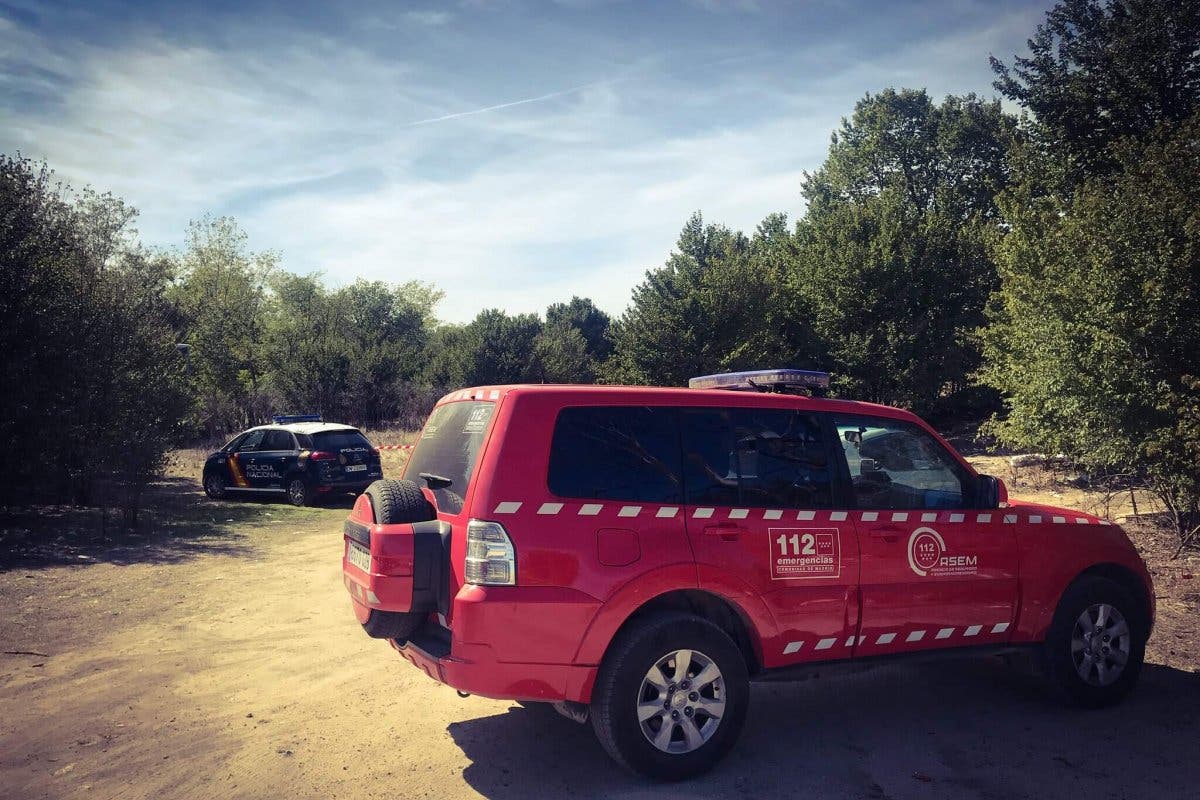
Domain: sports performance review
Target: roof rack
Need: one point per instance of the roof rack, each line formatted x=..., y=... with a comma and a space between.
x=288, y=419
x=780, y=381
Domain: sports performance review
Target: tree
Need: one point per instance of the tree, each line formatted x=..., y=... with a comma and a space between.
x=96, y=387
x=350, y=354
x=592, y=323
x=494, y=348
x=221, y=297
x=670, y=331
x=892, y=267
x=560, y=355
x=1095, y=332
x=1101, y=71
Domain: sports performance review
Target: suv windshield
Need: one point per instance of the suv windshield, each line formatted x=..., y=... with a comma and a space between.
x=449, y=448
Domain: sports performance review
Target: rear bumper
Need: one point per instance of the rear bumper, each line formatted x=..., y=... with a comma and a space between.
x=474, y=669
x=358, y=485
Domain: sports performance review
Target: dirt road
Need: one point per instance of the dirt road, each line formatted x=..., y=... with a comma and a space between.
x=229, y=665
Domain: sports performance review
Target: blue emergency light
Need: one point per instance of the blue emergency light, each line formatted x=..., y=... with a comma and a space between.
x=764, y=380
x=288, y=419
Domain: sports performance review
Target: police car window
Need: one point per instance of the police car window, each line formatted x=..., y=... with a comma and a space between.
x=766, y=458
x=616, y=453
x=897, y=465
x=253, y=441
x=277, y=440
x=333, y=441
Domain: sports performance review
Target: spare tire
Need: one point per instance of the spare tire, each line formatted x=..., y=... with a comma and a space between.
x=396, y=502
x=399, y=501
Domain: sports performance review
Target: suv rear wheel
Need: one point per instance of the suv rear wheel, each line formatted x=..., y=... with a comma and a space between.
x=396, y=502
x=1096, y=643
x=298, y=493
x=671, y=696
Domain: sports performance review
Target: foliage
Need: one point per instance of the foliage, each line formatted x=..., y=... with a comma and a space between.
x=221, y=297
x=351, y=353
x=1094, y=336
x=96, y=387
x=893, y=271
x=592, y=323
x=1098, y=72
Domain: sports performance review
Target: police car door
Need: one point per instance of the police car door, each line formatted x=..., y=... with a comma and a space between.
x=762, y=519
x=936, y=571
x=243, y=462
x=277, y=450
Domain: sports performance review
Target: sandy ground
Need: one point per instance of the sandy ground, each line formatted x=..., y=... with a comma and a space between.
x=222, y=660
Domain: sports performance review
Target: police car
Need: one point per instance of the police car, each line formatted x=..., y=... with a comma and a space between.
x=299, y=456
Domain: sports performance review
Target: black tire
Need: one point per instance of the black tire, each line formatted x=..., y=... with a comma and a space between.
x=214, y=485
x=298, y=493
x=394, y=502
x=1063, y=645
x=399, y=501
x=619, y=690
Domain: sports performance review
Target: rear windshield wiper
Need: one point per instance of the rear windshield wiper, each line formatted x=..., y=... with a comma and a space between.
x=436, y=482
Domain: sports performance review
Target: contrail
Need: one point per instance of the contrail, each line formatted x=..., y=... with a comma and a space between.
x=486, y=109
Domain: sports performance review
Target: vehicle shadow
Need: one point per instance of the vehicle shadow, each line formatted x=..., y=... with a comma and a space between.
x=176, y=522
x=955, y=729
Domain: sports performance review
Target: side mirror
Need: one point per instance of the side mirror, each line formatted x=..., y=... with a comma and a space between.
x=991, y=492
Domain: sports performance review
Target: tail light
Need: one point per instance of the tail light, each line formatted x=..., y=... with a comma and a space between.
x=321, y=455
x=491, y=559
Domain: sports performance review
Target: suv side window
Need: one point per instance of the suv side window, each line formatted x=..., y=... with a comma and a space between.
x=897, y=465
x=774, y=458
x=278, y=440
x=616, y=453
x=252, y=442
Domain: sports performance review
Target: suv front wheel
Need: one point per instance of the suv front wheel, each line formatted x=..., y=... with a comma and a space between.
x=671, y=696
x=1096, y=643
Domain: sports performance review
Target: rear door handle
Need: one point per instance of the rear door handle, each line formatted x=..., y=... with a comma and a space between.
x=726, y=530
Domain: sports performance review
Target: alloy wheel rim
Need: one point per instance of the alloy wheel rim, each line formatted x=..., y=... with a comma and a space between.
x=681, y=701
x=296, y=490
x=1100, y=644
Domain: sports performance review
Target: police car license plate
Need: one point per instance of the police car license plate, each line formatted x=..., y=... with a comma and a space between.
x=356, y=468
x=358, y=556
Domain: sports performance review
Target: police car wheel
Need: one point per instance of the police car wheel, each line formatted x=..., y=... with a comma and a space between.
x=214, y=486
x=671, y=696
x=1096, y=643
x=298, y=493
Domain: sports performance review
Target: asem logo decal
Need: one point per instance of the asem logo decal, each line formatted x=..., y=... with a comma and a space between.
x=928, y=556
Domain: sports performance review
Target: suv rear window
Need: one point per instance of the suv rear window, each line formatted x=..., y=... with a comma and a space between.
x=449, y=447
x=616, y=453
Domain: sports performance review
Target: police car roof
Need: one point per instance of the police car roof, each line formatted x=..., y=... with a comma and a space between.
x=308, y=428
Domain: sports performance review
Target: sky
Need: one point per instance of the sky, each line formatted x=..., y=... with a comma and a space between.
x=512, y=153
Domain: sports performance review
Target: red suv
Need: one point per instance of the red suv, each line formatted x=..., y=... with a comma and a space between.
x=638, y=555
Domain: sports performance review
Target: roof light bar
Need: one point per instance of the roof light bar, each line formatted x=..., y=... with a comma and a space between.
x=764, y=380
x=288, y=419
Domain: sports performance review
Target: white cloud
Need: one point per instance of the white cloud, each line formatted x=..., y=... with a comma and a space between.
x=397, y=163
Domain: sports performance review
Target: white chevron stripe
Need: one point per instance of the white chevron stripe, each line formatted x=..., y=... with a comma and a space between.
x=507, y=508
x=792, y=647
x=550, y=508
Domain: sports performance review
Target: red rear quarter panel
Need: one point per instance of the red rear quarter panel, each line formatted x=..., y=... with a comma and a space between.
x=1055, y=546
